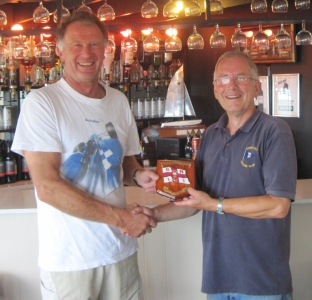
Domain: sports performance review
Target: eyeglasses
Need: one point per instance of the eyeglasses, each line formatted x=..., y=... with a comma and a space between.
x=224, y=80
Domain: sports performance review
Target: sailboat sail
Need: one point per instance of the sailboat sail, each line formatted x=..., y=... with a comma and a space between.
x=178, y=102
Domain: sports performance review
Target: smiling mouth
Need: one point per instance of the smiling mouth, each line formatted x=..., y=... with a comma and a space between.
x=85, y=64
x=233, y=97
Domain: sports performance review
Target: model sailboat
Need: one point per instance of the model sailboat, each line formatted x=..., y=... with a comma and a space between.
x=178, y=101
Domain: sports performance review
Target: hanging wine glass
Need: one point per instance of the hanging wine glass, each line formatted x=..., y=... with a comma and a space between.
x=217, y=39
x=258, y=6
x=260, y=40
x=302, y=4
x=3, y=18
x=195, y=40
x=149, y=9
x=304, y=36
x=21, y=50
x=173, y=43
x=41, y=14
x=84, y=7
x=239, y=39
x=171, y=10
x=279, y=6
x=129, y=44
x=216, y=7
x=283, y=39
x=65, y=13
x=192, y=8
x=151, y=42
x=42, y=49
x=106, y=12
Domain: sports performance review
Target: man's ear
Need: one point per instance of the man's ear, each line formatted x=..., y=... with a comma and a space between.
x=257, y=88
x=214, y=91
x=59, y=53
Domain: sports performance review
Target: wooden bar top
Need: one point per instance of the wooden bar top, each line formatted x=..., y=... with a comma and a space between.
x=19, y=197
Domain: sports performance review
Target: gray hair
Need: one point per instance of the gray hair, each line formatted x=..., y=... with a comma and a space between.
x=229, y=54
x=79, y=17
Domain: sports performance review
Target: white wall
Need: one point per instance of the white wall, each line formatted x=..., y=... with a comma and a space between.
x=170, y=261
x=19, y=273
x=301, y=250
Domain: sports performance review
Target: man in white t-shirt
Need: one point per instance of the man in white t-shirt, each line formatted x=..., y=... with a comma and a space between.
x=79, y=139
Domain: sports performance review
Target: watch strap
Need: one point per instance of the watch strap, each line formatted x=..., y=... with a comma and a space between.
x=220, y=206
x=134, y=178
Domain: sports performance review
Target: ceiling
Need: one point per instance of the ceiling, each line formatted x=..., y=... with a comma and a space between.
x=128, y=14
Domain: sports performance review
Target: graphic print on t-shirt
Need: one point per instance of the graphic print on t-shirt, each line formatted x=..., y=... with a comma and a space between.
x=96, y=162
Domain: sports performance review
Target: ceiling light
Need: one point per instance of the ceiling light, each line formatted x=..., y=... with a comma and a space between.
x=17, y=27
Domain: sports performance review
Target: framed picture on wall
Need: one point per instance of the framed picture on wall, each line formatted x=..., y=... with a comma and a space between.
x=263, y=100
x=286, y=95
x=274, y=51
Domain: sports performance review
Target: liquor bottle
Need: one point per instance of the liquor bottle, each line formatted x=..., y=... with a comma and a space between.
x=157, y=60
x=10, y=164
x=195, y=143
x=48, y=62
x=2, y=162
x=129, y=47
x=167, y=62
x=145, y=59
x=135, y=71
x=25, y=170
x=7, y=117
x=188, y=147
x=3, y=57
x=108, y=60
x=28, y=61
x=201, y=135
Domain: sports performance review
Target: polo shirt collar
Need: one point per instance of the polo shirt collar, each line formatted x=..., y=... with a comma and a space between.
x=223, y=121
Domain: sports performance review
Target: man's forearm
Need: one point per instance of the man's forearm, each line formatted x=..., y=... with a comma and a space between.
x=170, y=211
x=75, y=202
x=130, y=165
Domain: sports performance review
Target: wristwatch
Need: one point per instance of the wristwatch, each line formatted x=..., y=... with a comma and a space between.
x=134, y=178
x=219, y=209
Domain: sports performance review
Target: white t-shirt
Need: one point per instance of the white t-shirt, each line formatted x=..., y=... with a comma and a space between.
x=93, y=136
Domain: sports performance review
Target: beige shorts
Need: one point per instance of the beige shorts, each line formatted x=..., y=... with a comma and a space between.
x=119, y=281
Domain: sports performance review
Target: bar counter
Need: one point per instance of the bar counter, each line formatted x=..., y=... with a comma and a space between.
x=160, y=253
x=19, y=197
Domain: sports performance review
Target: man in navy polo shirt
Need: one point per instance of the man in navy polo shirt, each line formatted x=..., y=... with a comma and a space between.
x=246, y=178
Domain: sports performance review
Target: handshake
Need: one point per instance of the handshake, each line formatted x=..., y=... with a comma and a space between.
x=135, y=220
x=138, y=220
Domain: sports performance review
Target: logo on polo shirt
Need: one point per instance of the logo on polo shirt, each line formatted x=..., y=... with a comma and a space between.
x=249, y=157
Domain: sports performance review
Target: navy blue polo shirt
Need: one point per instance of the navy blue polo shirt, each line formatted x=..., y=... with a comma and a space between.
x=245, y=255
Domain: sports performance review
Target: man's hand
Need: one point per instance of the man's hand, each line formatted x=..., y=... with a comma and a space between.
x=135, y=225
x=199, y=200
x=147, y=179
x=143, y=210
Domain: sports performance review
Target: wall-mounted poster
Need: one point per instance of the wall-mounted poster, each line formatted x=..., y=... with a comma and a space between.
x=262, y=101
x=285, y=88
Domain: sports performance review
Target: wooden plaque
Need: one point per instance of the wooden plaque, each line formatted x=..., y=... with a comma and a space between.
x=175, y=177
